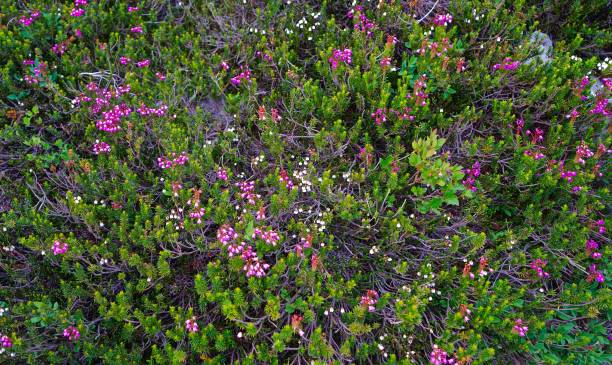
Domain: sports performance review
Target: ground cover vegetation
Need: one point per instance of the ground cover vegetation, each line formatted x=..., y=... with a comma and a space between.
x=305, y=182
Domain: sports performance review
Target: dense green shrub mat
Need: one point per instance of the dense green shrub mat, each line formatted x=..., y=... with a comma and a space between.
x=305, y=182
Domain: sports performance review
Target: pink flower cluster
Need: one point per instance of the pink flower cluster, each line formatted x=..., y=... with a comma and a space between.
x=264, y=55
x=579, y=87
x=132, y=9
x=144, y=110
x=362, y=23
x=59, y=248
x=601, y=226
x=26, y=21
x=228, y=238
x=101, y=147
x=284, y=178
x=440, y=357
x=198, y=214
x=191, y=325
x=247, y=191
x=5, y=341
x=379, y=116
x=38, y=71
x=112, y=118
x=507, y=64
x=568, y=175
x=443, y=19
x=583, y=152
x=78, y=10
x=595, y=274
x=436, y=49
x=136, y=29
x=252, y=265
x=270, y=236
x=369, y=300
x=244, y=75
x=261, y=214
x=345, y=56
x=601, y=107
x=222, y=174
x=472, y=174
x=537, y=136
x=173, y=160
x=60, y=48
x=538, y=265
x=305, y=242
x=591, y=247
x=573, y=114
x=385, y=62
x=124, y=60
x=520, y=328
x=71, y=333
x=226, y=234
x=420, y=86
x=143, y=63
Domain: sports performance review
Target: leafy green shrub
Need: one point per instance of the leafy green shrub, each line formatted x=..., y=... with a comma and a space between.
x=304, y=182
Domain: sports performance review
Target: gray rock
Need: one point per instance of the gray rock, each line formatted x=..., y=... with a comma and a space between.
x=545, y=47
x=596, y=87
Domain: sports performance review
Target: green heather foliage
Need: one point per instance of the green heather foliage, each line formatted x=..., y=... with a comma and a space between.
x=305, y=182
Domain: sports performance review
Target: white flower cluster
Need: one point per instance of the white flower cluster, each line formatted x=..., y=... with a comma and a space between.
x=304, y=184
x=602, y=66
x=259, y=159
x=176, y=215
x=305, y=26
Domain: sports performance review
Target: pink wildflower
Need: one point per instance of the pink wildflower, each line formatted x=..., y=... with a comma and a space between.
x=5, y=341
x=226, y=234
x=369, y=300
x=440, y=357
x=538, y=265
x=160, y=111
x=520, y=328
x=77, y=12
x=173, y=160
x=507, y=64
x=601, y=107
x=284, y=178
x=591, y=249
x=261, y=214
x=583, y=152
x=247, y=191
x=252, y=265
x=143, y=63
x=244, y=75
x=191, y=325
x=71, y=333
x=472, y=174
x=379, y=116
x=443, y=19
x=595, y=274
x=59, y=248
x=601, y=226
x=362, y=22
x=101, y=147
x=198, y=214
x=344, y=56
